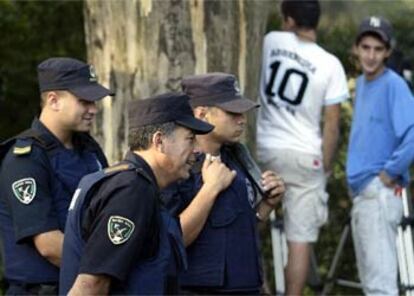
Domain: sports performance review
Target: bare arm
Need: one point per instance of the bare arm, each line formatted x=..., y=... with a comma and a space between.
x=89, y=284
x=216, y=178
x=275, y=188
x=49, y=245
x=332, y=116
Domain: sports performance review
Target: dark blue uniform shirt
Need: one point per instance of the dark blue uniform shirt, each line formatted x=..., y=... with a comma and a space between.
x=118, y=228
x=36, y=187
x=225, y=256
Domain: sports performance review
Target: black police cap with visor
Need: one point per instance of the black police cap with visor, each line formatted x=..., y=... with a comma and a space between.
x=216, y=89
x=168, y=107
x=72, y=75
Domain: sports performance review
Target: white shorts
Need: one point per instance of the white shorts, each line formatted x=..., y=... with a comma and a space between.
x=305, y=204
x=376, y=213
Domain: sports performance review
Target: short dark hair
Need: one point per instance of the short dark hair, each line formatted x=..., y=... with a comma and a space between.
x=305, y=13
x=139, y=138
x=43, y=97
x=374, y=35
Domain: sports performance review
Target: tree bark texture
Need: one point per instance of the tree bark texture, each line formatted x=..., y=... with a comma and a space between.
x=143, y=48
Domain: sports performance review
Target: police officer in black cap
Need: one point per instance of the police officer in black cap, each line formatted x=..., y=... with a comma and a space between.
x=41, y=168
x=219, y=222
x=119, y=238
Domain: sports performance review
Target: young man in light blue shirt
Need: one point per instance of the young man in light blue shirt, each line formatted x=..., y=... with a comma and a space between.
x=380, y=152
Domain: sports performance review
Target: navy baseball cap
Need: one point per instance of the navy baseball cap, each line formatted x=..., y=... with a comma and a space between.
x=378, y=25
x=168, y=107
x=216, y=89
x=72, y=75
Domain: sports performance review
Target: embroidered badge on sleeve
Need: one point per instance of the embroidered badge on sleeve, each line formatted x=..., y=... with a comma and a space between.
x=24, y=190
x=120, y=229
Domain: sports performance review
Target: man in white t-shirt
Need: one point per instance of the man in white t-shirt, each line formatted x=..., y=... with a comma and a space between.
x=300, y=83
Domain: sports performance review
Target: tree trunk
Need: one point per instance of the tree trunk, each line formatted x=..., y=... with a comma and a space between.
x=141, y=48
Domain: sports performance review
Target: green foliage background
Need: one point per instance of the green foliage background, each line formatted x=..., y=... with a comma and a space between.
x=336, y=33
x=34, y=30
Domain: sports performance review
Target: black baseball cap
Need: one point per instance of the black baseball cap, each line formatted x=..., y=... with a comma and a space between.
x=378, y=25
x=167, y=107
x=72, y=75
x=216, y=89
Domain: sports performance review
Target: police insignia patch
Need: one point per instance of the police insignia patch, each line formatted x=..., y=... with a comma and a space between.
x=120, y=229
x=92, y=74
x=24, y=190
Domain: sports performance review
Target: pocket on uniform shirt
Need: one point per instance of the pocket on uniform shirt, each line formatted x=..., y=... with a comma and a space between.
x=227, y=206
x=223, y=218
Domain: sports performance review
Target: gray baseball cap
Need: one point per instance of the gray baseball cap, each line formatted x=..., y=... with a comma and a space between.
x=378, y=25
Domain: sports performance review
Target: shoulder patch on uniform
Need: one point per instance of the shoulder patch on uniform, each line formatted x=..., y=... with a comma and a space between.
x=22, y=150
x=116, y=168
x=120, y=229
x=24, y=190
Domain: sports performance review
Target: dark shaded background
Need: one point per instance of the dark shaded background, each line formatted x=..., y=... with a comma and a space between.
x=31, y=31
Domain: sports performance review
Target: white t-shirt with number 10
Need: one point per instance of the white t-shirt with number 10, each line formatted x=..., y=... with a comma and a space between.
x=298, y=78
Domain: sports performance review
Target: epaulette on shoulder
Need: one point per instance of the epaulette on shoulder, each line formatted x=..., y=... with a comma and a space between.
x=117, y=168
x=125, y=167
x=23, y=142
x=144, y=174
x=22, y=148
